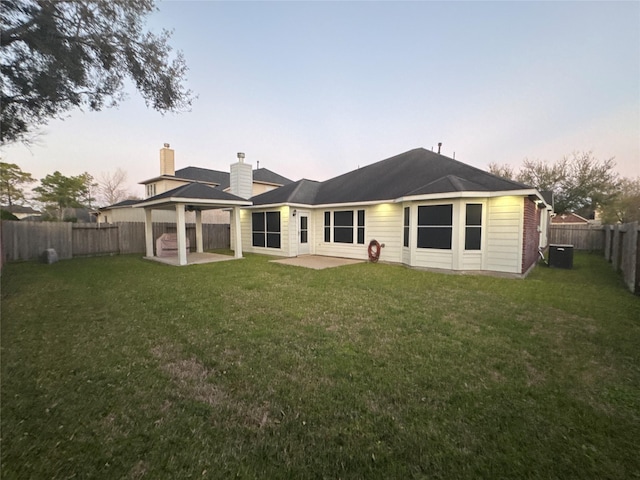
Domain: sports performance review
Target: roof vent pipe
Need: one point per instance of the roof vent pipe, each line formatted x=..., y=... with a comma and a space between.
x=439, y=145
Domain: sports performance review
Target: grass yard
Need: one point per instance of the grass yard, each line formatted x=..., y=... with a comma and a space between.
x=116, y=367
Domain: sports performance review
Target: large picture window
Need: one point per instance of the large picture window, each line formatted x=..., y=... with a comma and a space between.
x=473, y=227
x=435, y=226
x=343, y=226
x=348, y=226
x=265, y=229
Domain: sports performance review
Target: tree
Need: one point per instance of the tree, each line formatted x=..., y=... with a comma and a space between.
x=58, y=192
x=625, y=207
x=112, y=187
x=59, y=54
x=580, y=183
x=502, y=171
x=12, y=180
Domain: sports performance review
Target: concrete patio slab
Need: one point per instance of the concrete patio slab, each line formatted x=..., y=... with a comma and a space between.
x=193, y=259
x=317, y=262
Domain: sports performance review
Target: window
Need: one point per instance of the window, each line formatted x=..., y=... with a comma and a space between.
x=327, y=226
x=304, y=229
x=265, y=228
x=151, y=190
x=406, y=226
x=473, y=227
x=343, y=226
x=435, y=226
x=361, y=227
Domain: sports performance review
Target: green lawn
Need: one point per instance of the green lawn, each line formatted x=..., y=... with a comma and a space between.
x=116, y=367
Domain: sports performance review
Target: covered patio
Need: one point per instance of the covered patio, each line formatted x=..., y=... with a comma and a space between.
x=194, y=197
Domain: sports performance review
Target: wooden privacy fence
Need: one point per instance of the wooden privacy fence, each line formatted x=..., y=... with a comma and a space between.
x=582, y=237
x=620, y=244
x=27, y=240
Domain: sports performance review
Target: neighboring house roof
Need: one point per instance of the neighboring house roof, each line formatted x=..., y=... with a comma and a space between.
x=197, y=174
x=199, y=192
x=19, y=209
x=121, y=204
x=416, y=172
x=569, y=218
x=264, y=175
x=222, y=180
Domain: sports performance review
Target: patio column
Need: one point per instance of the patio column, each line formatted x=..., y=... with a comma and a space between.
x=182, y=234
x=148, y=231
x=199, y=247
x=237, y=236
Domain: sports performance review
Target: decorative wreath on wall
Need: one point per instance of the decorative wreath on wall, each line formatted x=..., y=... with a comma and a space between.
x=374, y=251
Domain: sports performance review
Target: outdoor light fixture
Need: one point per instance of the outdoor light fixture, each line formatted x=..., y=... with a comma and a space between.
x=294, y=212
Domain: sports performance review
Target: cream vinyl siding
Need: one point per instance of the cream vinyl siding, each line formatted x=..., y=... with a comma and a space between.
x=381, y=222
x=384, y=224
x=247, y=234
x=471, y=259
x=259, y=188
x=503, y=250
x=433, y=257
x=165, y=185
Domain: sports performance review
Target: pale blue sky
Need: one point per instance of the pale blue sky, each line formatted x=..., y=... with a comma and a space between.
x=317, y=89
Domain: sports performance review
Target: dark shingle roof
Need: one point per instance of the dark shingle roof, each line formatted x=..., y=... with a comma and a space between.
x=416, y=172
x=303, y=191
x=124, y=203
x=222, y=179
x=18, y=209
x=196, y=191
x=198, y=174
x=267, y=176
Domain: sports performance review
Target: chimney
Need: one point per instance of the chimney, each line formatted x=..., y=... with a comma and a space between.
x=167, y=161
x=241, y=178
x=439, y=145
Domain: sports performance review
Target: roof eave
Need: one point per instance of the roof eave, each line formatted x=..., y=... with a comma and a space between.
x=172, y=201
x=176, y=179
x=470, y=194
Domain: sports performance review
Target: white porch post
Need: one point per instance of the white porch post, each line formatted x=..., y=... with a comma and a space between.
x=182, y=234
x=148, y=231
x=199, y=244
x=237, y=235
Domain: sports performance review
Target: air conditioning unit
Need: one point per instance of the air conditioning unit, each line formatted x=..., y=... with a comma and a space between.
x=561, y=256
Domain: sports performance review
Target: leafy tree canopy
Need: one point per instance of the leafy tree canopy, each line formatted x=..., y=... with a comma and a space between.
x=58, y=192
x=59, y=54
x=12, y=181
x=625, y=207
x=580, y=183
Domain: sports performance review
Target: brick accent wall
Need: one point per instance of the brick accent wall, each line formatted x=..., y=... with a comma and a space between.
x=531, y=236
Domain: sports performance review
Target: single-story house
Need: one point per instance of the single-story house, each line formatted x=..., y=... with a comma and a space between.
x=20, y=211
x=263, y=180
x=424, y=209
x=569, y=219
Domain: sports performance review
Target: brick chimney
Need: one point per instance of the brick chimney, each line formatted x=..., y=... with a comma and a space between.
x=167, y=161
x=241, y=178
